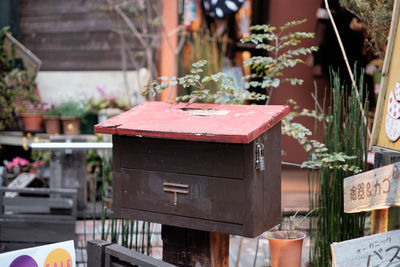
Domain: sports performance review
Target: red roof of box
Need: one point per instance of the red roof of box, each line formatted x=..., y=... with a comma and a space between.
x=196, y=122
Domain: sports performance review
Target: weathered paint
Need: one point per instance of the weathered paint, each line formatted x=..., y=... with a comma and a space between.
x=195, y=122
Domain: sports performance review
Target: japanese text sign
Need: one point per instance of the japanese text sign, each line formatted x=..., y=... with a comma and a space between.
x=375, y=189
x=375, y=250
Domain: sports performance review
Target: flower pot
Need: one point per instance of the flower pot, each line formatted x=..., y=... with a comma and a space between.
x=32, y=121
x=52, y=124
x=71, y=125
x=285, y=252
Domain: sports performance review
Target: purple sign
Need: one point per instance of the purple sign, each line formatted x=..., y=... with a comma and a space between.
x=24, y=261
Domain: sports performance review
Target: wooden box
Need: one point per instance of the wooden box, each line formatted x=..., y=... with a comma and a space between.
x=198, y=166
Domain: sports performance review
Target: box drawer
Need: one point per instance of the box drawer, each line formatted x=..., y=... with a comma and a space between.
x=178, y=156
x=200, y=197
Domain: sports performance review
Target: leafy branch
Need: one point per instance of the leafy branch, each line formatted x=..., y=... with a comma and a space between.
x=283, y=52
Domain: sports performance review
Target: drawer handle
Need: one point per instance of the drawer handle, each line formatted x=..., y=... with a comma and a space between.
x=176, y=189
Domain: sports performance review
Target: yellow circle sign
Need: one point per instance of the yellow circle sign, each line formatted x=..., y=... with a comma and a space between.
x=58, y=258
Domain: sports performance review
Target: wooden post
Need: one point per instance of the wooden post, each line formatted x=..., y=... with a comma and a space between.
x=385, y=219
x=187, y=247
x=68, y=169
x=96, y=252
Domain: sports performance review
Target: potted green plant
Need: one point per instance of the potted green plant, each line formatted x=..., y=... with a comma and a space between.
x=31, y=110
x=71, y=113
x=286, y=245
x=15, y=85
x=52, y=119
x=109, y=105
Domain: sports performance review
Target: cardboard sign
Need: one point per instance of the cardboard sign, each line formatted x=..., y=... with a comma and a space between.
x=375, y=250
x=375, y=189
x=54, y=255
x=21, y=181
x=386, y=129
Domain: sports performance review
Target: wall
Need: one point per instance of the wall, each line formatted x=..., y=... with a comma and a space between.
x=70, y=35
x=282, y=11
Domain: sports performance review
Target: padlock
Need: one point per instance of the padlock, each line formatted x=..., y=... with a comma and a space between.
x=260, y=164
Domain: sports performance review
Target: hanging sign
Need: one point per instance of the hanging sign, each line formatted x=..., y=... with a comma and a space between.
x=386, y=129
x=375, y=250
x=54, y=255
x=375, y=189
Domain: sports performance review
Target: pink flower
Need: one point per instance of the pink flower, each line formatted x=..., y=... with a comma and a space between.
x=114, y=96
x=47, y=106
x=100, y=90
x=21, y=161
x=106, y=98
x=17, y=161
x=38, y=163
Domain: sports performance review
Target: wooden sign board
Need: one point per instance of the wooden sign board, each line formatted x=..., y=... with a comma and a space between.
x=386, y=129
x=31, y=62
x=375, y=250
x=375, y=189
x=21, y=181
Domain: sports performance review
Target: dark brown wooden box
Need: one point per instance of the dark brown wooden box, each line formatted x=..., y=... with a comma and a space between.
x=210, y=186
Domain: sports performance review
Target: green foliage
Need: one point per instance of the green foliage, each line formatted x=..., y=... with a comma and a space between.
x=53, y=111
x=71, y=109
x=15, y=84
x=283, y=51
x=377, y=16
x=345, y=134
x=226, y=93
x=319, y=157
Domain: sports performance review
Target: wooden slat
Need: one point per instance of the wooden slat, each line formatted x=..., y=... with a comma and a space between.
x=132, y=257
x=375, y=250
x=70, y=22
x=40, y=191
x=73, y=35
x=375, y=189
x=219, y=249
x=31, y=231
x=181, y=221
x=73, y=42
x=28, y=202
x=49, y=7
x=271, y=215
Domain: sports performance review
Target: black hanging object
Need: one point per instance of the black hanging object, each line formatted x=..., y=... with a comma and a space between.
x=219, y=9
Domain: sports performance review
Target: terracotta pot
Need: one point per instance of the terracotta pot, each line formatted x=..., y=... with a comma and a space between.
x=32, y=121
x=71, y=126
x=52, y=124
x=285, y=252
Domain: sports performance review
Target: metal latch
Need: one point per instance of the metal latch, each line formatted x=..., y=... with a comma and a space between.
x=260, y=164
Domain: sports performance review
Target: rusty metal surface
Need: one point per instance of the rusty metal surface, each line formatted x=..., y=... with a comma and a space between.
x=196, y=122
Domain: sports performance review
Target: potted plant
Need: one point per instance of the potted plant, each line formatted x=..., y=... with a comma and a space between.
x=71, y=113
x=31, y=110
x=109, y=105
x=15, y=84
x=286, y=245
x=52, y=119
